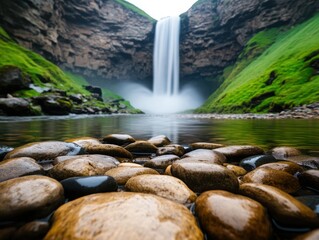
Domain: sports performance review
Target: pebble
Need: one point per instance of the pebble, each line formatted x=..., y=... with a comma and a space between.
x=82, y=166
x=282, y=153
x=205, y=155
x=285, y=166
x=239, y=171
x=205, y=145
x=202, y=177
x=276, y=178
x=141, y=147
x=123, y=174
x=174, y=149
x=310, y=178
x=284, y=208
x=224, y=215
x=18, y=167
x=159, y=141
x=92, y=157
x=164, y=186
x=118, y=139
x=161, y=162
x=305, y=161
x=123, y=215
x=251, y=163
x=238, y=152
x=118, y=152
x=76, y=187
x=84, y=141
x=29, y=197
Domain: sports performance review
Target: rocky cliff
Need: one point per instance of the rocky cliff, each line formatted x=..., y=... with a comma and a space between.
x=97, y=38
x=215, y=31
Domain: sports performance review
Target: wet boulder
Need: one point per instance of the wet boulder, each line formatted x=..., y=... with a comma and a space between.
x=251, y=163
x=282, y=153
x=161, y=162
x=205, y=145
x=17, y=107
x=118, y=139
x=118, y=152
x=141, y=147
x=12, y=79
x=285, y=166
x=238, y=152
x=159, y=141
x=174, y=149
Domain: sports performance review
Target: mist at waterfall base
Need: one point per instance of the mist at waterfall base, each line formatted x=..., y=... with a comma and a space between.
x=167, y=97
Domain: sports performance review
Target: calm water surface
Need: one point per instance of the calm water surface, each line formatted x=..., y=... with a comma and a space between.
x=303, y=134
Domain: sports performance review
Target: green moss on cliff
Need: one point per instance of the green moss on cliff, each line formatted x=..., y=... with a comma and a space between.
x=135, y=9
x=276, y=70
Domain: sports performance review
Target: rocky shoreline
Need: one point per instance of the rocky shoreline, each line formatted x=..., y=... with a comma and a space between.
x=119, y=187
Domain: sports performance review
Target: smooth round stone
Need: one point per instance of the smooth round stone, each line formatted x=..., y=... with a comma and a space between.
x=161, y=162
x=35, y=230
x=284, y=208
x=305, y=161
x=276, y=178
x=161, y=185
x=141, y=160
x=206, y=155
x=4, y=150
x=118, y=139
x=205, y=145
x=202, y=177
x=45, y=150
x=283, y=153
x=174, y=149
x=123, y=215
x=285, y=166
x=76, y=187
x=239, y=151
x=251, y=163
x=141, y=147
x=83, y=166
x=29, y=197
x=110, y=150
x=159, y=141
x=310, y=178
x=18, y=167
x=239, y=171
x=312, y=235
x=129, y=165
x=92, y=157
x=224, y=215
x=123, y=174
x=312, y=201
x=84, y=141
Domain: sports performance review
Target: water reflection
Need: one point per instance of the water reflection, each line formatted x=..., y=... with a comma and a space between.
x=303, y=134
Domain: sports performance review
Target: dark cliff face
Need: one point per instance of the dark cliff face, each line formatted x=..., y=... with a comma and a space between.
x=97, y=38
x=215, y=31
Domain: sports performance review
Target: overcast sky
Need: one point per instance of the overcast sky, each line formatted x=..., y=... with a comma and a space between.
x=163, y=8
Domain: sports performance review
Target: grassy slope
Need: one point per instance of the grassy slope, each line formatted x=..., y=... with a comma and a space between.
x=135, y=9
x=272, y=73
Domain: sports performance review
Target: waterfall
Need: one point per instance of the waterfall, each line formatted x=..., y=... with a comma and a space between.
x=166, y=57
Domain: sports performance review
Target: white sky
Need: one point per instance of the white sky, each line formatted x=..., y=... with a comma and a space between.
x=163, y=8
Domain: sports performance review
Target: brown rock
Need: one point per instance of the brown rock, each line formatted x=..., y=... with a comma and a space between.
x=238, y=152
x=161, y=162
x=123, y=174
x=305, y=161
x=125, y=164
x=84, y=141
x=123, y=215
x=164, y=186
x=29, y=197
x=285, y=166
x=35, y=230
x=111, y=150
x=224, y=215
x=205, y=155
x=118, y=139
x=92, y=157
x=202, y=177
x=174, y=149
x=284, y=208
x=85, y=165
x=18, y=167
x=310, y=178
x=141, y=147
x=284, y=152
x=159, y=141
x=45, y=150
x=205, y=145
x=239, y=171
x=276, y=178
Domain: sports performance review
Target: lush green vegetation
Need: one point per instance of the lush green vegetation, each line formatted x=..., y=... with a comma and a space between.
x=135, y=9
x=275, y=71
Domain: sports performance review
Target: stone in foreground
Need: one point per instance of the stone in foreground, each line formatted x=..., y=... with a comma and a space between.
x=124, y=215
x=224, y=215
x=164, y=186
x=29, y=197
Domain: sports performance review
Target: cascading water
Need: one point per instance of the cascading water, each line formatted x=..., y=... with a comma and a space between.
x=166, y=97
x=166, y=57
